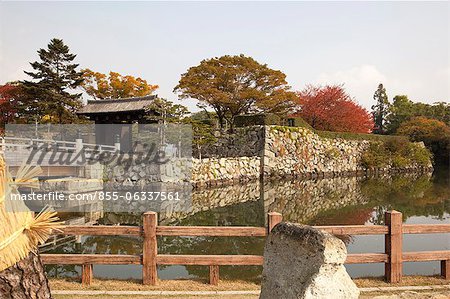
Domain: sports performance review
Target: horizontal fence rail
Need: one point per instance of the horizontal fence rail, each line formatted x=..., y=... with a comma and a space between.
x=17, y=143
x=393, y=257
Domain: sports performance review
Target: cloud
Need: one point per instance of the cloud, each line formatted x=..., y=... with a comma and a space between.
x=360, y=82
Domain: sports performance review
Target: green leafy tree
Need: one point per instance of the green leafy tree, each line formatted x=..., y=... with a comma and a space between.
x=165, y=111
x=401, y=110
x=235, y=85
x=380, y=109
x=205, y=117
x=434, y=133
x=54, y=79
x=203, y=134
x=439, y=111
x=167, y=114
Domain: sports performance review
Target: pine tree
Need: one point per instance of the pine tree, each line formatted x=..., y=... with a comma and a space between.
x=380, y=109
x=55, y=77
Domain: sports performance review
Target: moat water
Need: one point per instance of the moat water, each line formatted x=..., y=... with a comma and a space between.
x=339, y=201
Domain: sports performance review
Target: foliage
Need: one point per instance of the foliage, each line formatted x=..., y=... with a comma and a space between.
x=205, y=117
x=398, y=152
x=424, y=129
x=17, y=105
x=115, y=85
x=434, y=133
x=235, y=85
x=375, y=156
x=380, y=109
x=55, y=77
x=7, y=99
x=403, y=109
x=400, y=111
x=331, y=108
x=166, y=111
x=203, y=134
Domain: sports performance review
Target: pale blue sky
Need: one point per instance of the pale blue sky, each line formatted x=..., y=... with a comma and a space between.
x=405, y=45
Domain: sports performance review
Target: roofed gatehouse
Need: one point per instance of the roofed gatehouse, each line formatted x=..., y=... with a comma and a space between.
x=117, y=111
x=124, y=112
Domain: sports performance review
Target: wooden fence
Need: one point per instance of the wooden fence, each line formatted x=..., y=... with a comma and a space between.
x=393, y=257
x=17, y=144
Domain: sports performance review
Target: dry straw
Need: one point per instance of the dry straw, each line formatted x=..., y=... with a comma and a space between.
x=20, y=231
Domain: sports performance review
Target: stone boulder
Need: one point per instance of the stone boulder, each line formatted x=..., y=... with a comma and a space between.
x=303, y=262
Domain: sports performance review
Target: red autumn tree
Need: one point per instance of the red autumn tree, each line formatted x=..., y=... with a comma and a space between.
x=330, y=108
x=7, y=93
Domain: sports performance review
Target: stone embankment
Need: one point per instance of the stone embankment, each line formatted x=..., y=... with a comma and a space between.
x=287, y=152
x=224, y=171
x=257, y=152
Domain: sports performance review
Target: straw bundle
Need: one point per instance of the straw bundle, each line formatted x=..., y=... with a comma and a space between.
x=20, y=231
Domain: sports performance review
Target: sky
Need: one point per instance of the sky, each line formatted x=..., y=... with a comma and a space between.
x=404, y=45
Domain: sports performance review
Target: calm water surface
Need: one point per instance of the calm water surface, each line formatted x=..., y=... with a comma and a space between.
x=338, y=201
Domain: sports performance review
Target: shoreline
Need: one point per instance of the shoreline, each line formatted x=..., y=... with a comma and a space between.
x=368, y=173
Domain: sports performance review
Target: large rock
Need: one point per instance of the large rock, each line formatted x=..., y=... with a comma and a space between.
x=303, y=262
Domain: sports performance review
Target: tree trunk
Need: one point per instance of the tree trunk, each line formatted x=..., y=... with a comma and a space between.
x=25, y=280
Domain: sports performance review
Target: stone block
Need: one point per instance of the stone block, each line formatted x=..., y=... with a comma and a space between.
x=303, y=262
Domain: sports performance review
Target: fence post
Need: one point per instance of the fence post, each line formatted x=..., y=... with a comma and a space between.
x=393, y=246
x=445, y=269
x=273, y=218
x=214, y=274
x=117, y=142
x=3, y=146
x=150, y=249
x=86, y=274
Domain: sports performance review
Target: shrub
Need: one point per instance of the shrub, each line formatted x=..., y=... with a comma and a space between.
x=396, y=145
x=374, y=156
x=399, y=161
x=398, y=152
x=419, y=154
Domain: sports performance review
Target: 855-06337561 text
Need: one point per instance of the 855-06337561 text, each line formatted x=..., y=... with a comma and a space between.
x=99, y=195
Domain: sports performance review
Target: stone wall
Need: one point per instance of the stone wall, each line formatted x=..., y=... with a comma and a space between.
x=282, y=152
x=243, y=142
x=222, y=171
x=300, y=152
x=259, y=151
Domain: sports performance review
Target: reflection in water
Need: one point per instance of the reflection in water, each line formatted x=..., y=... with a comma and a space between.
x=421, y=198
